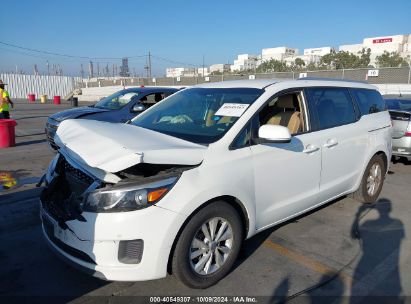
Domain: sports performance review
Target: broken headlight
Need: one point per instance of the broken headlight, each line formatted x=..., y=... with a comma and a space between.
x=128, y=198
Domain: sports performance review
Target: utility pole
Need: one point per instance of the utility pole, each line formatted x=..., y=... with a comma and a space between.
x=36, y=71
x=48, y=68
x=90, y=69
x=147, y=67
x=149, y=64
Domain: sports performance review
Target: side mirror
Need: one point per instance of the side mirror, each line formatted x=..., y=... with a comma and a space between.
x=274, y=134
x=138, y=108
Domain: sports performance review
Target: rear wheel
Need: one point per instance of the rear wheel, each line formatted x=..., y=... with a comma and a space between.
x=208, y=246
x=372, y=181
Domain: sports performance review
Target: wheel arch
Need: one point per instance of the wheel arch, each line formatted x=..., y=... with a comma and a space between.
x=231, y=200
x=384, y=158
x=376, y=152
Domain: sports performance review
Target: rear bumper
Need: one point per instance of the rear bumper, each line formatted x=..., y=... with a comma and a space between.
x=401, y=146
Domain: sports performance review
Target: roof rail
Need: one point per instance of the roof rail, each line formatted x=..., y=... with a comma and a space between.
x=331, y=79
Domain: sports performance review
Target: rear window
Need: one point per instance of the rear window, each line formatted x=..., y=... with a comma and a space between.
x=369, y=101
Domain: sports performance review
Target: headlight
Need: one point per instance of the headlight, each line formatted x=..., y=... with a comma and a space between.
x=128, y=198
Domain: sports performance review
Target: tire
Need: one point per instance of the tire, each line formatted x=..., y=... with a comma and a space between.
x=190, y=258
x=364, y=193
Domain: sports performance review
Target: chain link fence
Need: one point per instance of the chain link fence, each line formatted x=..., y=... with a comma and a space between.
x=370, y=75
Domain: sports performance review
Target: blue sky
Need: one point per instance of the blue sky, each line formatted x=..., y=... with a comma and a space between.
x=184, y=31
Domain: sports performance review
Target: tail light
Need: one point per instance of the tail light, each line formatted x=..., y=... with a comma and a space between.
x=408, y=131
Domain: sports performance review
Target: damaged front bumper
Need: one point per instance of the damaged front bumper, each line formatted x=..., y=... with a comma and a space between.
x=100, y=242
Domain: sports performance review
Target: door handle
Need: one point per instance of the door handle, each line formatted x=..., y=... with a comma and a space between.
x=310, y=149
x=331, y=143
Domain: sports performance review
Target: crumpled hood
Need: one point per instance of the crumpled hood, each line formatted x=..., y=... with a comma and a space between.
x=114, y=147
x=75, y=113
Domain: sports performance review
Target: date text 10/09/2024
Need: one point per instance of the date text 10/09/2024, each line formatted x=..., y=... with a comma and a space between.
x=203, y=299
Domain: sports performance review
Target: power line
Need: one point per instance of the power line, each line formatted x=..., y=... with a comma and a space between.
x=66, y=55
x=89, y=57
x=173, y=61
x=69, y=57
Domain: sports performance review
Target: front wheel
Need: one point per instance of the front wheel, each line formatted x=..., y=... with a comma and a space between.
x=372, y=181
x=208, y=245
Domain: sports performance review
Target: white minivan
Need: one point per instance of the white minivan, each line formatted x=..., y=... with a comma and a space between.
x=180, y=187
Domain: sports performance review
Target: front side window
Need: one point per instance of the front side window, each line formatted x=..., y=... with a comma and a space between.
x=369, y=101
x=153, y=98
x=332, y=107
x=200, y=115
x=285, y=110
x=116, y=101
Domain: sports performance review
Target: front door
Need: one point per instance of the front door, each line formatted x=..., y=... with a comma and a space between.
x=287, y=175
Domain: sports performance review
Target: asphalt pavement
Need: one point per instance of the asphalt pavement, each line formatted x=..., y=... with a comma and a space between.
x=338, y=253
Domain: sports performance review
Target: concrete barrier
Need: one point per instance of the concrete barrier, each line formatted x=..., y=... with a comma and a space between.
x=394, y=89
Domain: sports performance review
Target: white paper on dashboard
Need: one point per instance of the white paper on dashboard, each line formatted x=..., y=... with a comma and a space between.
x=232, y=109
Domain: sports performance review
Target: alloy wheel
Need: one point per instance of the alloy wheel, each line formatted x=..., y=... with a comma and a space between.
x=374, y=179
x=211, y=246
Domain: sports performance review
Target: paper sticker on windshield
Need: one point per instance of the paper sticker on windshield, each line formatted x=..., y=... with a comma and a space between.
x=232, y=109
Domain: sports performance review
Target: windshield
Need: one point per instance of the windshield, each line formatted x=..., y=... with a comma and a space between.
x=398, y=104
x=116, y=100
x=200, y=115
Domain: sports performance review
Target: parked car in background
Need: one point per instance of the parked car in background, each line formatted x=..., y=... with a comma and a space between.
x=118, y=107
x=400, y=112
x=182, y=185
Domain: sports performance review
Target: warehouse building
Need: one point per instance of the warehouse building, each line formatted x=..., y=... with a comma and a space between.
x=378, y=45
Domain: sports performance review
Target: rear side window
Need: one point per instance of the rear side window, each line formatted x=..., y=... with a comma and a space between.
x=332, y=107
x=369, y=101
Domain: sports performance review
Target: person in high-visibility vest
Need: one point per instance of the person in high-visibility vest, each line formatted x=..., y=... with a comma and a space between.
x=5, y=102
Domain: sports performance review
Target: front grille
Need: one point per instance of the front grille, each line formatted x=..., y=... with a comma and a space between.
x=75, y=173
x=63, y=197
x=130, y=252
x=49, y=229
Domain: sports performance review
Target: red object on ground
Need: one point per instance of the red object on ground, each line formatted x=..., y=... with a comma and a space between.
x=56, y=100
x=31, y=97
x=7, y=134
